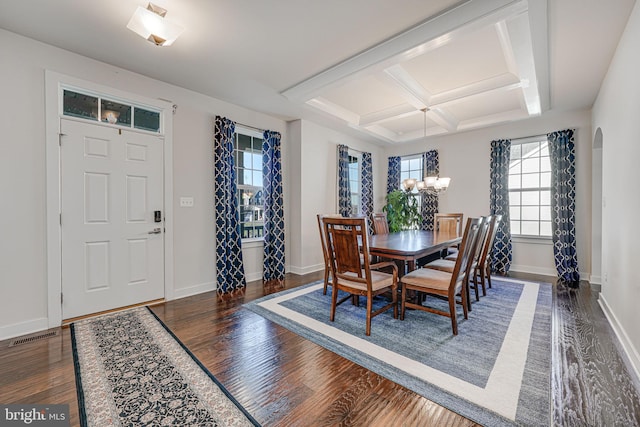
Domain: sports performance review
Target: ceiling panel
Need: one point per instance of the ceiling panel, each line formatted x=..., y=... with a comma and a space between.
x=364, y=96
x=466, y=60
x=485, y=104
x=412, y=124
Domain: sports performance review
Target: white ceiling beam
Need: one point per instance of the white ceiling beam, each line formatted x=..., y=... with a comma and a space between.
x=507, y=49
x=505, y=81
x=492, y=119
x=428, y=35
x=538, y=23
x=392, y=113
x=516, y=44
x=444, y=118
x=410, y=88
x=335, y=110
x=379, y=132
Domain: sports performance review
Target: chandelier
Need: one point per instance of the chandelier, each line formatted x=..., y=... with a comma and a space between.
x=432, y=185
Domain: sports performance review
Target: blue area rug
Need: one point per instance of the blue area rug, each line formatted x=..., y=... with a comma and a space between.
x=496, y=371
x=132, y=370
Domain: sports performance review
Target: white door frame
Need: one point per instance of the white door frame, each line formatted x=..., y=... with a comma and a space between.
x=53, y=102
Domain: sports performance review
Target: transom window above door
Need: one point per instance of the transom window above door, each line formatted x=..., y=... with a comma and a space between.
x=94, y=107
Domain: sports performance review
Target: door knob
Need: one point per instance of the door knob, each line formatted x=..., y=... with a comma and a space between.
x=156, y=231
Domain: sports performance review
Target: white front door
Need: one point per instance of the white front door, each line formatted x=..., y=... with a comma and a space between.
x=112, y=246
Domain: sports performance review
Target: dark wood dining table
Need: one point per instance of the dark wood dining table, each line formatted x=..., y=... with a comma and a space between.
x=409, y=246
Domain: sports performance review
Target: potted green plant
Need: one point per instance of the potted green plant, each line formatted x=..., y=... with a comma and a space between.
x=402, y=211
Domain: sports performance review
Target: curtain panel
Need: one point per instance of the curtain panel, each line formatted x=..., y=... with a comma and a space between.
x=393, y=174
x=229, y=266
x=273, y=262
x=429, y=203
x=502, y=253
x=366, y=179
x=563, y=205
x=344, y=193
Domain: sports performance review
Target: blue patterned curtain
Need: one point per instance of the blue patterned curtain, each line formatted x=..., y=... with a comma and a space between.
x=273, y=263
x=393, y=174
x=430, y=167
x=502, y=251
x=229, y=266
x=367, y=189
x=563, y=205
x=344, y=193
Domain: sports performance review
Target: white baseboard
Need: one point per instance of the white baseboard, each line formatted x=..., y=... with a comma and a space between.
x=251, y=277
x=194, y=290
x=630, y=351
x=306, y=270
x=24, y=328
x=534, y=270
x=595, y=280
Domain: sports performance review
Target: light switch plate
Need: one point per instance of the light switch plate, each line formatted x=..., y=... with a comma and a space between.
x=186, y=202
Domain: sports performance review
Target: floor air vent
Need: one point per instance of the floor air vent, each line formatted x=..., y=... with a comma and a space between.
x=32, y=338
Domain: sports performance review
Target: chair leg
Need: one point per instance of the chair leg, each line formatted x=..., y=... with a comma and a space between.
x=369, y=309
x=488, y=274
x=402, y=299
x=465, y=308
x=394, y=299
x=475, y=286
x=334, y=302
x=482, y=281
x=452, y=312
x=326, y=280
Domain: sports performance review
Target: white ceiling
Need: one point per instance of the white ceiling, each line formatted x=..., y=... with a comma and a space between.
x=367, y=67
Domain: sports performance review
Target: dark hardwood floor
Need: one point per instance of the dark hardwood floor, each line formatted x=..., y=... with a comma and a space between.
x=285, y=380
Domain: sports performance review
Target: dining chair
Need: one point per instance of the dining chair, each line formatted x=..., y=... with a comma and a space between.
x=325, y=255
x=443, y=284
x=451, y=223
x=483, y=266
x=448, y=264
x=483, y=269
x=347, y=242
x=380, y=223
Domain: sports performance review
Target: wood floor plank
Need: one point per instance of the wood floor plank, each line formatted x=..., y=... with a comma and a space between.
x=286, y=380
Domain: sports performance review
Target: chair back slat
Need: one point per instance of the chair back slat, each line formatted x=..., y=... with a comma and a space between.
x=466, y=251
x=449, y=222
x=348, y=248
x=491, y=237
x=380, y=223
x=481, y=240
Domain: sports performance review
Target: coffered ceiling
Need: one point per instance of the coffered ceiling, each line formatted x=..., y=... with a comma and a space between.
x=364, y=67
x=475, y=66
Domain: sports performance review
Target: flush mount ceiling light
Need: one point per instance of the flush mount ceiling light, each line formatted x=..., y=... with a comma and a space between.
x=150, y=24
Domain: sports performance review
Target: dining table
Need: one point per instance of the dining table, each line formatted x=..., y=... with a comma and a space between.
x=411, y=245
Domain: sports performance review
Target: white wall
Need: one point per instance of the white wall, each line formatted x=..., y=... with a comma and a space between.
x=465, y=157
x=23, y=274
x=617, y=113
x=314, y=186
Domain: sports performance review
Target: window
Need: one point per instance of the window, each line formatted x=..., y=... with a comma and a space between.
x=90, y=107
x=411, y=167
x=530, y=187
x=354, y=184
x=248, y=159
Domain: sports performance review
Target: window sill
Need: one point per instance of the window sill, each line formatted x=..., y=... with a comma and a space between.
x=253, y=242
x=533, y=240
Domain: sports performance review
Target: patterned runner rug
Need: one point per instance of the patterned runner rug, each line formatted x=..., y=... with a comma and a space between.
x=131, y=370
x=496, y=372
